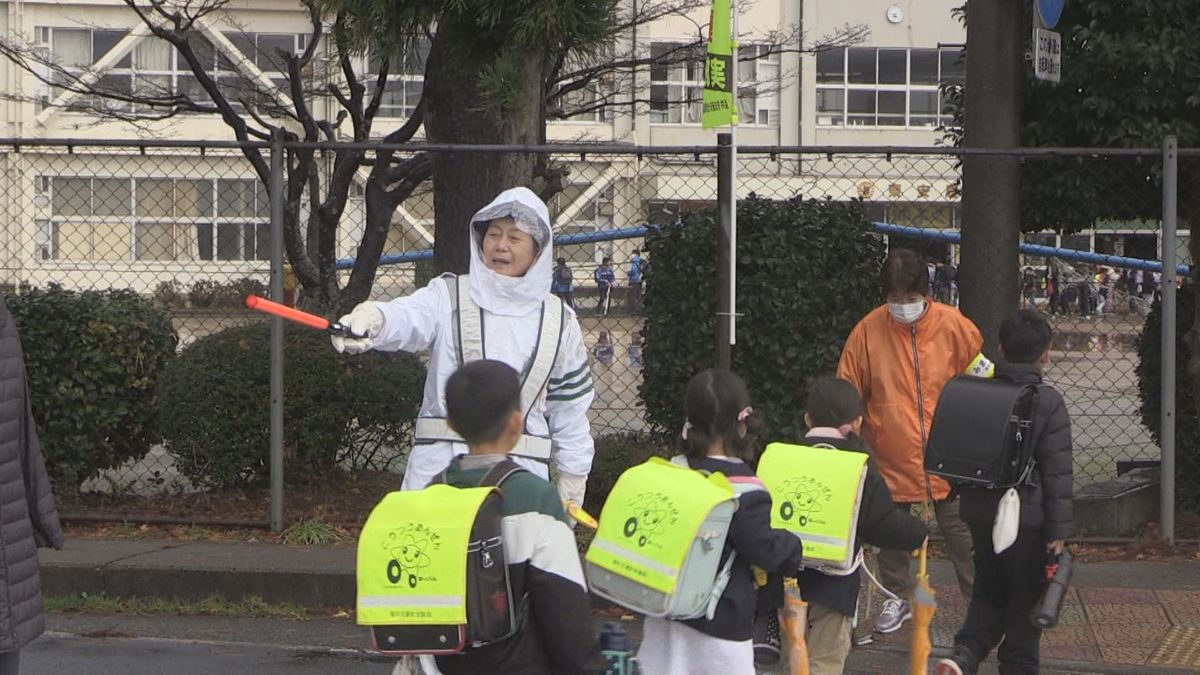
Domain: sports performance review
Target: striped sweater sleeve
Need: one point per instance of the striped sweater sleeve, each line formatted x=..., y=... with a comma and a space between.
x=554, y=582
x=568, y=397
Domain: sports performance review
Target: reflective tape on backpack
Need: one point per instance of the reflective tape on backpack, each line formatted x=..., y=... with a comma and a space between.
x=412, y=557
x=650, y=520
x=816, y=494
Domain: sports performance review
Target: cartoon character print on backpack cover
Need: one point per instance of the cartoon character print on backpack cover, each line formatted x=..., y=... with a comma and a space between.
x=653, y=511
x=409, y=546
x=803, y=497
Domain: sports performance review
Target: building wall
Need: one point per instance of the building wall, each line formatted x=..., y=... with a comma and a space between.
x=609, y=193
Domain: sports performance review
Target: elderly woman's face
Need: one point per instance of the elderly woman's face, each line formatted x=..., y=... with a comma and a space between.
x=506, y=249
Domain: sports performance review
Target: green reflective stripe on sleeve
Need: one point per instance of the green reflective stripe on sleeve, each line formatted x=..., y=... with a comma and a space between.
x=564, y=388
x=569, y=376
x=570, y=396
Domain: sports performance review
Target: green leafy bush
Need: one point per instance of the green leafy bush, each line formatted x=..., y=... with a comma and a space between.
x=93, y=359
x=1149, y=372
x=215, y=404
x=807, y=272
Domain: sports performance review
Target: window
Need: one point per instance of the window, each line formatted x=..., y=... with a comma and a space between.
x=885, y=87
x=154, y=219
x=406, y=78
x=155, y=69
x=677, y=84
x=758, y=85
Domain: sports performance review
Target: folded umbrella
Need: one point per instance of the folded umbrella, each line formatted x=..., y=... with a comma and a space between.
x=795, y=623
x=924, y=604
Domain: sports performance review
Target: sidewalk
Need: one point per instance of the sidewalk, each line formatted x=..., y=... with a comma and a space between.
x=1139, y=617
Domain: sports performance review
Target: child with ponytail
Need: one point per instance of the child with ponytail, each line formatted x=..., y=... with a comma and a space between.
x=717, y=439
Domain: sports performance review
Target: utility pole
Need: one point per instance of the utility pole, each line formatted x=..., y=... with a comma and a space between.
x=989, y=269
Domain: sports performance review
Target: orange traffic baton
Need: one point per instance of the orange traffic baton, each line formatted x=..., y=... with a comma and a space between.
x=304, y=318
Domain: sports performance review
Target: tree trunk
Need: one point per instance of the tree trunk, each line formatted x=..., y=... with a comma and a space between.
x=457, y=113
x=988, y=273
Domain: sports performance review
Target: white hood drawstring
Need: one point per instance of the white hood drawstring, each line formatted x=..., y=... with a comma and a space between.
x=513, y=296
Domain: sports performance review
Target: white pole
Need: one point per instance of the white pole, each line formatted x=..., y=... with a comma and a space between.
x=733, y=188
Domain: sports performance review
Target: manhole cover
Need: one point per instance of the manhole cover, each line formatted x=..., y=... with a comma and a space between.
x=1181, y=648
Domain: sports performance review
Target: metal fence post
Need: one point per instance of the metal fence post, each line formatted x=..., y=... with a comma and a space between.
x=1167, y=433
x=725, y=199
x=276, y=188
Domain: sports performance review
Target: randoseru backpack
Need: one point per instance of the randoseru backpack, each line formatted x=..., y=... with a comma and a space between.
x=661, y=537
x=432, y=576
x=982, y=432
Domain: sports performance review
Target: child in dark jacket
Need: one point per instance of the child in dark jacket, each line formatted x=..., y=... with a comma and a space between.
x=717, y=440
x=1007, y=584
x=834, y=418
x=556, y=635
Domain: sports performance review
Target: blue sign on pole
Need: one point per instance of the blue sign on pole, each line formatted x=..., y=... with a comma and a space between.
x=1050, y=11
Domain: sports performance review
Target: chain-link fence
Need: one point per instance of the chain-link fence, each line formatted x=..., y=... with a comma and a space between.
x=187, y=226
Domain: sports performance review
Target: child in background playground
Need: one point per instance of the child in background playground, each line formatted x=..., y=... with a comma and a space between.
x=717, y=440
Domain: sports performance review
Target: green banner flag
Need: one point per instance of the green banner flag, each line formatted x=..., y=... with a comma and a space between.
x=719, y=107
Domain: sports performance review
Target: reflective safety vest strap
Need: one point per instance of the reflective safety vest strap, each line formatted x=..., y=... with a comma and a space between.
x=433, y=429
x=469, y=339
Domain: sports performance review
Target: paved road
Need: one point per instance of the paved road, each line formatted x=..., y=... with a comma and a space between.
x=63, y=655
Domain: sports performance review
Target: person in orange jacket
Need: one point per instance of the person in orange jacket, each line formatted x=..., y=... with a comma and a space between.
x=899, y=357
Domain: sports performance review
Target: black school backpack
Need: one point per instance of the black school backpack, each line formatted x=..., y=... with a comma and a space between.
x=982, y=432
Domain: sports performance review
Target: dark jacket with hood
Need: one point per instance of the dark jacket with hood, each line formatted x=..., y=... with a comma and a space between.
x=27, y=516
x=879, y=524
x=1046, y=499
x=756, y=543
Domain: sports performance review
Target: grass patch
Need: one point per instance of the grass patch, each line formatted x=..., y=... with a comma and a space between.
x=311, y=532
x=100, y=603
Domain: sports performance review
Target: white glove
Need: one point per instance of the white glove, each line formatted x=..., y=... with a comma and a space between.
x=365, y=319
x=571, y=488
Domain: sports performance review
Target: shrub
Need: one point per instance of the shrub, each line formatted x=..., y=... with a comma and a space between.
x=170, y=294
x=807, y=272
x=1149, y=372
x=93, y=359
x=204, y=293
x=215, y=404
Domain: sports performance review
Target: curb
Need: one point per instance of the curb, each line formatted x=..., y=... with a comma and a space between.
x=1058, y=664
x=305, y=589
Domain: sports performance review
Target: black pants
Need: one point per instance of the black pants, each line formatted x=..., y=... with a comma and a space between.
x=1007, y=586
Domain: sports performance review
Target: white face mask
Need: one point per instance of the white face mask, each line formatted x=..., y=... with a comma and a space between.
x=907, y=312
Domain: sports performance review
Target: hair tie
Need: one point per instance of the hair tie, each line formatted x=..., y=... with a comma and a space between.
x=845, y=430
x=746, y=412
x=686, y=426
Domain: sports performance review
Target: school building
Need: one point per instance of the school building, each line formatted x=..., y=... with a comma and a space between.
x=99, y=217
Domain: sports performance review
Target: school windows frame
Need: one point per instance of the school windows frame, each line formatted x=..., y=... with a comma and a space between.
x=151, y=219
x=677, y=84
x=154, y=68
x=886, y=87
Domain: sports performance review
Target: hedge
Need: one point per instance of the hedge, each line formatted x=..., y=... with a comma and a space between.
x=807, y=272
x=215, y=405
x=94, y=359
x=1149, y=372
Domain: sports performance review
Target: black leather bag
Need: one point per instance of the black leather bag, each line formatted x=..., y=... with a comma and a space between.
x=981, y=433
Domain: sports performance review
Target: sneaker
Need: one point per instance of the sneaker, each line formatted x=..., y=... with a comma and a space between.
x=767, y=641
x=948, y=667
x=893, y=616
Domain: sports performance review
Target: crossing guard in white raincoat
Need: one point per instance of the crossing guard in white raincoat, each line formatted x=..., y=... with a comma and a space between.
x=492, y=314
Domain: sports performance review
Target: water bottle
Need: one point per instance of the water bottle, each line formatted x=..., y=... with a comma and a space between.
x=616, y=646
x=1058, y=576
